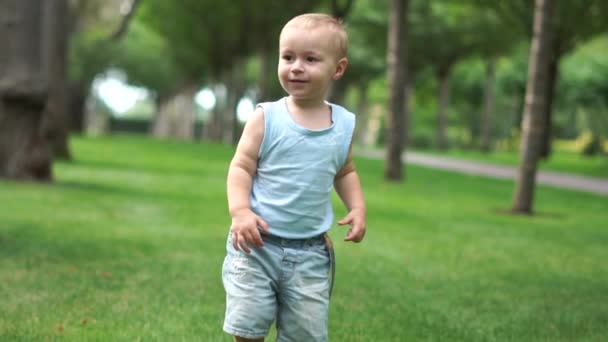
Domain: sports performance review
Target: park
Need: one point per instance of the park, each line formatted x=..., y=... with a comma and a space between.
x=119, y=120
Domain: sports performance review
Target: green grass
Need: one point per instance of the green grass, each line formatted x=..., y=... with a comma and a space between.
x=128, y=243
x=560, y=161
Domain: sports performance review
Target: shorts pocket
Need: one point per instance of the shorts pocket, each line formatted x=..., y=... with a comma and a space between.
x=239, y=266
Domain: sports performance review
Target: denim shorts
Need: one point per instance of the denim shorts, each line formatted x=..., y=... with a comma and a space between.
x=286, y=281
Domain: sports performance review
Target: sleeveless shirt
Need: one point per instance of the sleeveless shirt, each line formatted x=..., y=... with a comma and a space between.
x=296, y=167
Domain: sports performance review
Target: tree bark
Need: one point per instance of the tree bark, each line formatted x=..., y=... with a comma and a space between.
x=397, y=79
x=55, y=49
x=362, y=114
x=77, y=99
x=408, y=92
x=265, y=72
x=78, y=91
x=175, y=115
x=443, y=76
x=24, y=151
x=545, y=149
x=487, y=121
x=533, y=122
x=235, y=86
x=213, y=128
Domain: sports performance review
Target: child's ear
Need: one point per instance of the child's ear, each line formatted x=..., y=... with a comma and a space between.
x=340, y=69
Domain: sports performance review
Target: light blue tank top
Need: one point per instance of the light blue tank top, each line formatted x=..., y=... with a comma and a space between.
x=292, y=188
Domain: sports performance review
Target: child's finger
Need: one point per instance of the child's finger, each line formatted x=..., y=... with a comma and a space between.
x=244, y=246
x=239, y=239
x=346, y=220
x=355, y=235
x=349, y=235
x=256, y=239
x=235, y=241
x=262, y=224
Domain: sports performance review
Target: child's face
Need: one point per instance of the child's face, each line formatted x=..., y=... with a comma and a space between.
x=308, y=62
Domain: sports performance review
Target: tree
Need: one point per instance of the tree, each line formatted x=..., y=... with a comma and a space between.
x=55, y=49
x=143, y=56
x=367, y=28
x=492, y=39
x=96, y=28
x=487, y=123
x=24, y=151
x=452, y=24
x=397, y=80
x=575, y=21
x=583, y=96
x=210, y=41
x=533, y=122
x=340, y=11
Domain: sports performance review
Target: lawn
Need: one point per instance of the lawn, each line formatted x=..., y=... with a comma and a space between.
x=128, y=243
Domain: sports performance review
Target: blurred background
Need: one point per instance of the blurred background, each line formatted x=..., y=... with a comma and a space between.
x=118, y=119
x=193, y=71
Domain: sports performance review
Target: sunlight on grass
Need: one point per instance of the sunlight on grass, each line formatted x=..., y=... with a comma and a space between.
x=128, y=243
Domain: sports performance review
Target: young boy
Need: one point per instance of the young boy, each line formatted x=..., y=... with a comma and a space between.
x=291, y=153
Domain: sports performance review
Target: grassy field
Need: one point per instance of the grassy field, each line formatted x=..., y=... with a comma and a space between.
x=128, y=243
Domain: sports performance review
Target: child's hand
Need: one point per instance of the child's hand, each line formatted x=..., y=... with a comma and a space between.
x=245, y=231
x=356, y=219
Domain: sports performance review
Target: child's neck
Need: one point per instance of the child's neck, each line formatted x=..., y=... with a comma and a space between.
x=306, y=104
x=313, y=115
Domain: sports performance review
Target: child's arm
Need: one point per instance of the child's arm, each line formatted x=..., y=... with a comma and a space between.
x=243, y=167
x=348, y=187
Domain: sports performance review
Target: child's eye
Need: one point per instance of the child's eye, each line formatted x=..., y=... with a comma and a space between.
x=287, y=57
x=311, y=59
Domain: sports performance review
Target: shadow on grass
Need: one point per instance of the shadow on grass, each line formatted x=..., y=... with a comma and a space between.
x=122, y=191
x=36, y=245
x=103, y=189
x=144, y=168
x=535, y=214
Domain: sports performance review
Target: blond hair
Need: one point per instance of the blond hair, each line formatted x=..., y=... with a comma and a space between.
x=316, y=20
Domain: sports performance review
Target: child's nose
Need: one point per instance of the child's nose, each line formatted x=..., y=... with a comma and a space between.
x=296, y=66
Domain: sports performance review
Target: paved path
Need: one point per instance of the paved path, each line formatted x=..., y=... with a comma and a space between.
x=556, y=179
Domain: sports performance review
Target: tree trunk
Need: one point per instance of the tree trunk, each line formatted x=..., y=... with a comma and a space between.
x=408, y=93
x=338, y=89
x=337, y=92
x=24, y=152
x=56, y=36
x=186, y=112
x=487, y=121
x=397, y=79
x=212, y=130
x=235, y=86
x=443, y=77
x=159, y=125
x=213, y=127
x=534, y=118
x=362, y=114
x=77, y=98
x=264, y=76
x=229, y=115
x=122, y=29
x=175, y=114
x=545, y=148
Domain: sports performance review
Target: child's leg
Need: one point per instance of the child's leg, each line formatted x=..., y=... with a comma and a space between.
x=250, y=284
x=304, y=296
